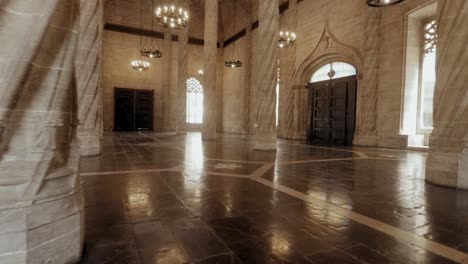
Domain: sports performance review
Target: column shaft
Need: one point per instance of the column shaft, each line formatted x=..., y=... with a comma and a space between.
x=41, y=204
x=447, y=163
x=88, y=74
x=182, y=83
x=209, y=61
x=287, y=67
x=265, y=138
x=366, y=125
x=165, y=98
x=247, y=78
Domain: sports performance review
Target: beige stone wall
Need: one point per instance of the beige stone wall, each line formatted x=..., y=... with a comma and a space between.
x=119, y=50
x=346, y=22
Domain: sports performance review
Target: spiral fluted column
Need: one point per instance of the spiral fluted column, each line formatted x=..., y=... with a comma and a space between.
x=88, y=74
x=287, y=67
x=447, y=163
x=265, y=138
x=247, y=78
x=165, y=98
x=41, y=203
x=366, y=125
x=209, y=62
x=182, y=83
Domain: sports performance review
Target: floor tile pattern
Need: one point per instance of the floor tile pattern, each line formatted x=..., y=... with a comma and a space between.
x=197, y=203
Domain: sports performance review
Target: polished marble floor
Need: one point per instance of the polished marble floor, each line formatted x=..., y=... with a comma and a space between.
x=162, y=198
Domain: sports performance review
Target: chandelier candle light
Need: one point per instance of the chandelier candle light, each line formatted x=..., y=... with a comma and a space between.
x=151, y=48
x=172, y=16
x=139, y=64
x=233, y=55
x=286, y=38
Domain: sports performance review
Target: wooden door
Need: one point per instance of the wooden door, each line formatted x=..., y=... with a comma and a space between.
x=332, y=111
x=143, y=110
x=124, y=114
x=133, y=109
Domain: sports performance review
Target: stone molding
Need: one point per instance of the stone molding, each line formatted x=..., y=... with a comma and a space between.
x=327, y=50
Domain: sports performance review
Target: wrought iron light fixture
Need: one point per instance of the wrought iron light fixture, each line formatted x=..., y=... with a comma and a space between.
x=139, y=64
x=286, y=38
x=172, y=16
x=382, y=3
x=151, y=47
x=233, y=60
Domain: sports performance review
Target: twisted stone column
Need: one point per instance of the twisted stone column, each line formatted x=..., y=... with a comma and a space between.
x=287, y=67
x=41, y=206
x=366, y=125
x=447, y=163
x=182, y=83
x=88, y=74
x=209, y=61
x=265, y=138
x=166, y=82
x=247, y=77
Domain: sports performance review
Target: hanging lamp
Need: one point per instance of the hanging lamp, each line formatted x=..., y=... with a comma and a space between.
x=140, y=64
x=151, y=46
x=382, y=3
x=286, y=37
x=233, y=58
x=172, y=15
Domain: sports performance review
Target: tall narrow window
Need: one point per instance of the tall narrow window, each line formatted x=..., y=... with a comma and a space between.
x=428, y=77
x=194, y=101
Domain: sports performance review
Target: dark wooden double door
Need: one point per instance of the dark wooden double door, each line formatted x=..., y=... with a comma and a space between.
x=332, y=111
x=133, y=109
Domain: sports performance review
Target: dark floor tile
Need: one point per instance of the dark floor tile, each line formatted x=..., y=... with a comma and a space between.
x=225, y=258
x=156, y=244
x=111, y=244
x=367, y=255
x=267, y=249
x=333, y=257
x=197, y=239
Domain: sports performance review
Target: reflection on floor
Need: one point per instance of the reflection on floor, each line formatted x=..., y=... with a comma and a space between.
x=161, y=198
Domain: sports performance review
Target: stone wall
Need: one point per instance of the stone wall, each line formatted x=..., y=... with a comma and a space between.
x=119, y=50
x=346, y=22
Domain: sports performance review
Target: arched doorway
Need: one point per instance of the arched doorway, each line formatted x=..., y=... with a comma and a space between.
x=332, y=104
x=194, y=102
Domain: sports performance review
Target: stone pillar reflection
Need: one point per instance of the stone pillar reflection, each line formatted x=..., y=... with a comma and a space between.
x=88, y=74
x=366, y=118
x=165, y=98
x=265, y=138
x=247, y=77
x=287, y=67
x=181, y=128
x=447, y=163
x=209, y=61
x=41, y=202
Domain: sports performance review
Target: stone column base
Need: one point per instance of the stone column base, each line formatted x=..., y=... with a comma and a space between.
x=265, y=143
x=90, y=145
x=47, y=231
x=449, y=170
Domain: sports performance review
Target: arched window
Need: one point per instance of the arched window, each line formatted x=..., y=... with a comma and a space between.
x=333, y=70
x=194, y=101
